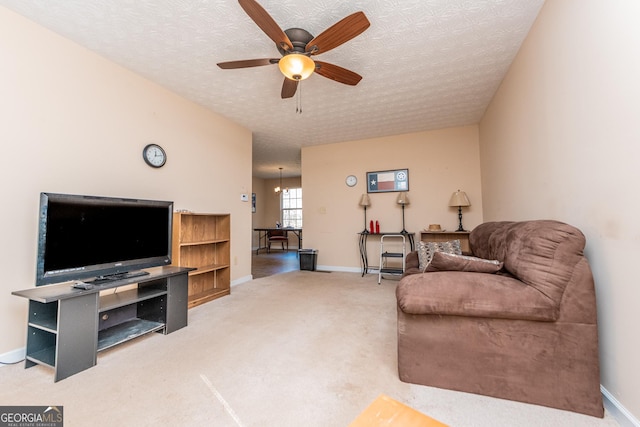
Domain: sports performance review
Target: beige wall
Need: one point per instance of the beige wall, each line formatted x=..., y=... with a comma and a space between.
x=73, y=122
x=561, y=140
x=439, y=163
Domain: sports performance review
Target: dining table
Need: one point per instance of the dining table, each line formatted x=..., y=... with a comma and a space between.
x=263, y=236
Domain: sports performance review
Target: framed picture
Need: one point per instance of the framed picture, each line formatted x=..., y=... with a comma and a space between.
x=385, y=181
x=253, y=202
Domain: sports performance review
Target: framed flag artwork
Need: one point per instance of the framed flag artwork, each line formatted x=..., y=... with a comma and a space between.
x=385, y=181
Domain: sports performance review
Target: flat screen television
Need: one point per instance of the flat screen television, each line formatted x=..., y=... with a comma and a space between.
x=102, y=238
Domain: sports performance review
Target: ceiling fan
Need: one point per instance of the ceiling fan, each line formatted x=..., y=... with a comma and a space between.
x=297, y=46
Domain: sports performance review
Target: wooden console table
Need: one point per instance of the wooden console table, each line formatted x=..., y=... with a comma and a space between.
x=67, y=327
x=444, y=236
x=364, y=259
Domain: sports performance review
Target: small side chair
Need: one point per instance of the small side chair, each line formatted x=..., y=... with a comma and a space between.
x=277, y=236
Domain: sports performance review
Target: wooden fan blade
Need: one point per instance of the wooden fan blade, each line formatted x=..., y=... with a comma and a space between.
x=266, y=23
x=289, y=88
x=246, y=63
x=338, y=74
x=338, y=33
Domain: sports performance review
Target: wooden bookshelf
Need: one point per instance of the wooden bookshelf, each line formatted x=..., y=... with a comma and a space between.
x=202, y=241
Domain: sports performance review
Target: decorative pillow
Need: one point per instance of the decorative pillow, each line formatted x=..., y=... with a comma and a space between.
x=427, y=249
x=449, y=262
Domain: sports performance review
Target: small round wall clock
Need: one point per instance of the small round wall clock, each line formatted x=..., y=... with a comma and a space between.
x=154, y=155
x=351, y=180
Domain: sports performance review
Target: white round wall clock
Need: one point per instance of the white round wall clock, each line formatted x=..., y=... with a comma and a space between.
x=351, y=180
x=154, y=155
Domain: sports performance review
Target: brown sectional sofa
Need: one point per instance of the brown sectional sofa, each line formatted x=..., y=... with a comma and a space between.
x=527, y=333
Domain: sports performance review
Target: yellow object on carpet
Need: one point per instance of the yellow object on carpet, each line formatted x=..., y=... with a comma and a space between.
x=385, y=411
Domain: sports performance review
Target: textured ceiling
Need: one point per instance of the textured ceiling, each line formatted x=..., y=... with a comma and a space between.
x=426, y=64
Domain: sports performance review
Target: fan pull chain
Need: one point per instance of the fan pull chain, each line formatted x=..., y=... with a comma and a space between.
x=299, y=99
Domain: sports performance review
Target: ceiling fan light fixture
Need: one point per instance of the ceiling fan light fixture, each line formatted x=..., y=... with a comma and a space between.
x=296, y=66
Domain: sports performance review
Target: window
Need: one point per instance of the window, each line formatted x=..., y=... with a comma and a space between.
x=291, y=207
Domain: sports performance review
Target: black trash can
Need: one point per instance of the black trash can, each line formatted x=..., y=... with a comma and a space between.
x=308, y=259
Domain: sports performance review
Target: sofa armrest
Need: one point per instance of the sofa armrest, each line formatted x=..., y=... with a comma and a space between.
x=411, y=261
x=411, y=264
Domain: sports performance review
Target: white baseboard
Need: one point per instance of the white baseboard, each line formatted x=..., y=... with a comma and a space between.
x=13, y=356
x=617, y=410
x=341, y=269
x=242, y=280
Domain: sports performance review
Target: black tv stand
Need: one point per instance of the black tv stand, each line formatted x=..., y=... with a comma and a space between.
x=67, y=326
x=99, y=280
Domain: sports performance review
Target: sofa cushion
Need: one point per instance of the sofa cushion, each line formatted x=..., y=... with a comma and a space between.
x=542, y=253
x=459, y=293
x=427, y=249
x=442, y=261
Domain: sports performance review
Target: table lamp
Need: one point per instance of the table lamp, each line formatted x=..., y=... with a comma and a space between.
x=364, y=202
x=403, y=199
x=459, y=199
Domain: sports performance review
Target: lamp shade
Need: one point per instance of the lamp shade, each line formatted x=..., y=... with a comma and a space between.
x=403, y=198
x=365, y=201
x=296, y=66
x=459, y=198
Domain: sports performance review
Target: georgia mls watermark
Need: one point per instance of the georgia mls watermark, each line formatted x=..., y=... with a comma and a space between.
x=31, y=416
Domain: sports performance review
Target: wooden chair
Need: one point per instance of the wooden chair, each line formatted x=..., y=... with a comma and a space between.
x=277, y=236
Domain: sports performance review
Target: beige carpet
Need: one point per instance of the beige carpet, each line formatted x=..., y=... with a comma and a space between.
x=295, y=349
